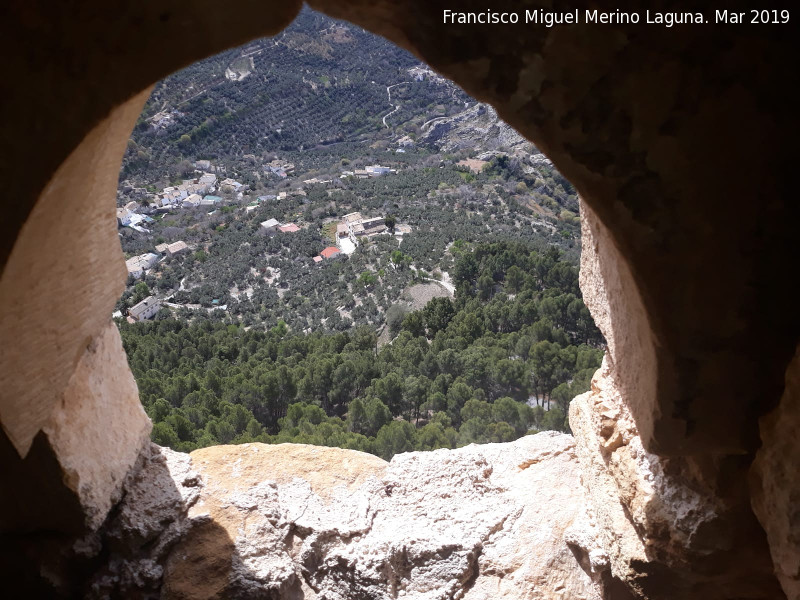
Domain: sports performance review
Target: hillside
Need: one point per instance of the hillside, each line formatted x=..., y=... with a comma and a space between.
x=320, y=82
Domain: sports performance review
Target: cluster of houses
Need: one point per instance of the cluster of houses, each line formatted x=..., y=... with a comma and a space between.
x=192, y=193
x=139, y=265
x=189, y=193
x=349, y=230
x=369, y=171
x=279, y=167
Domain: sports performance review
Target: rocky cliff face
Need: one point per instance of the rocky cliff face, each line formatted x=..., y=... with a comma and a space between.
x=673, y=527
x=292, y=521
x=476, y=127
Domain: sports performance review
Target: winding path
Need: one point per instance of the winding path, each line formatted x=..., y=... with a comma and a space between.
x=396, y=106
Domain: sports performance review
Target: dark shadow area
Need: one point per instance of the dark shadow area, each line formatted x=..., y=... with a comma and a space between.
x=34, y=499
x=146, y=549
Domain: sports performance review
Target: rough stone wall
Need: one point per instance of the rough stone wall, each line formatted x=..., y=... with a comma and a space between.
x=672, y=526
x=293, y=521
x=64, y=373
x=775, y=482
x=669, y=529
x=680, y=142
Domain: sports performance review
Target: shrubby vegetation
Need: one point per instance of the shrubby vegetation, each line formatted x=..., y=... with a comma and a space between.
x=459, y=371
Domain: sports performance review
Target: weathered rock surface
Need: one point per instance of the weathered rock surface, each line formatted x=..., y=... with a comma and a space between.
x=672, y=526
x=293, y=521
x=72, y=422
x=476, y=127
x=669, y=528
x=775, y=482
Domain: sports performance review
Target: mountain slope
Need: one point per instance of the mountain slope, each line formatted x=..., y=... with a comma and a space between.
x=318, y=82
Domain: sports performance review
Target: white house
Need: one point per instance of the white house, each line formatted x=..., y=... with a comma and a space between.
x=124, y=217
x=146, y=309
x=354, y=225
x=139, y=264
x=270, y=226
x=376, y=170
x=192, y=201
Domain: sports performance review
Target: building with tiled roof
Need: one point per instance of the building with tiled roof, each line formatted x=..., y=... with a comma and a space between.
x=330, y=252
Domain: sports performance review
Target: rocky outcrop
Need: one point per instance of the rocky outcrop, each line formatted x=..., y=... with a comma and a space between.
x=476, y=128
x=775, y=485
x=673, y=527
x=72, y=422
x=293, y=521
x=669, y=528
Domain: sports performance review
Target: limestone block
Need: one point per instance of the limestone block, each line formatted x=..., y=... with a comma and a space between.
x=63, y=277
x=292, y=521
x=611, y=295
x=99, y=427
x=667, y=525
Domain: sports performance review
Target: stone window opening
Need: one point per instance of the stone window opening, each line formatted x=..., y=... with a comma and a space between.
x=668, y=434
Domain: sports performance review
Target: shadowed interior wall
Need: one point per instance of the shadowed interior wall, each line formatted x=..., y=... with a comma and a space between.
x=679, y=140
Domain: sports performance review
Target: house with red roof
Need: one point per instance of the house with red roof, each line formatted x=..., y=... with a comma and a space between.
x=289, y=228
x=330, y=252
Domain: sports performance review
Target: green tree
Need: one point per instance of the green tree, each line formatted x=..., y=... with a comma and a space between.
x=485, y=287
x=394, y=438
x=140, y=292
x=377, y=414
x=357, y=421
x=438, y=313
x=414, y=323
x=507, y=410
x=395, y=316
x=164, y=435
x=476, y=409
x=514, y=279
x=432, y=437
